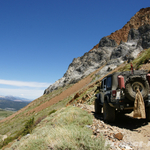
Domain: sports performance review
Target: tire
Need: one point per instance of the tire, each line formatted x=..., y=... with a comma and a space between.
x=148, y=114
x=98, y=107
x=108, y=112
x=136, y=82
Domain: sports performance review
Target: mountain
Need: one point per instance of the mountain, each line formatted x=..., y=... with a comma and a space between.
x=112, y=50
x=13, y=103
x=77, y=86
x=14, y=98
x=139, y=19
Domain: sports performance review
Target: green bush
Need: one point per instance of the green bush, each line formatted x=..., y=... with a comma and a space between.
x=51, y=112
x=28, y=126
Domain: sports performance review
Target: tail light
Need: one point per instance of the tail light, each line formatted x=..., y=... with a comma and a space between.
x=114, y=93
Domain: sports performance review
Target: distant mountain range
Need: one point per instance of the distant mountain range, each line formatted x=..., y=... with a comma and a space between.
x=13, y=103
x=14, y=98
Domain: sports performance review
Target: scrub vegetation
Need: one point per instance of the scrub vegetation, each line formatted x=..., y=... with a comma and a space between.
x=64, y=129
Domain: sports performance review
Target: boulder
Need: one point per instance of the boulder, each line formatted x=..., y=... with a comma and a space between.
x=118, y=136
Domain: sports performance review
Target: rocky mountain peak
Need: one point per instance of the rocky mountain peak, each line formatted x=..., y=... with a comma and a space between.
x=124, y=44
x=141, y=18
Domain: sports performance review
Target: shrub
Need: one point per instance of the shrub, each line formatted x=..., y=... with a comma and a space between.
x=51, y=112
x=28, y=126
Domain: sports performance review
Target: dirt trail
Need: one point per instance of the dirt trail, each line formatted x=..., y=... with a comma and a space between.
x=135, y=133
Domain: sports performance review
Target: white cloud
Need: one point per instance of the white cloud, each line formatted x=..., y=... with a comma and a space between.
x=29, y=90
x=26, y=93
x=22, y=83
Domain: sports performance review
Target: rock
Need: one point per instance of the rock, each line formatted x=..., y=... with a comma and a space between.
x=124, y=146
x=139, y=19
x=143, y=29
x=109, y=69
x=118, y=136
x=105, y=41
x=76, y=95
x=4, y=137
x=145, y=35
x=133, y=34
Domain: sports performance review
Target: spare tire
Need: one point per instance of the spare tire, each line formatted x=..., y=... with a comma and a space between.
x=133, y=83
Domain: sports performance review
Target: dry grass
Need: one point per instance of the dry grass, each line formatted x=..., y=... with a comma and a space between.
x=65, y=129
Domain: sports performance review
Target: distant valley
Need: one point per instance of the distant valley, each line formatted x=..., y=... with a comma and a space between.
x=13, y=103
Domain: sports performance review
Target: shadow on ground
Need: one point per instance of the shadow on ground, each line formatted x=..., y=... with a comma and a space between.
x=125, y=121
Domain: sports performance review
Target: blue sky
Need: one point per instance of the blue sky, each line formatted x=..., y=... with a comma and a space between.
x=40, y=38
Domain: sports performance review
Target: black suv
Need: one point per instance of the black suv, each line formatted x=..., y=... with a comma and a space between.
x=117, y=93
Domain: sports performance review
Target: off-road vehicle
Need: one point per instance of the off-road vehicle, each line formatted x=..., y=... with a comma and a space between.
x=118, y=91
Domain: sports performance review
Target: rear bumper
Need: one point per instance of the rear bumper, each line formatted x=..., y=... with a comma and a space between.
x=127, y=105
x=120, y=105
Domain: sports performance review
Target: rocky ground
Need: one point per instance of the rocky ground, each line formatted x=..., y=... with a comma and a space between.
x=126, y=133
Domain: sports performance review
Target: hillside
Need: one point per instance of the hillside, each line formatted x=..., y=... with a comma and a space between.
x=5, y=113
x=77, y=86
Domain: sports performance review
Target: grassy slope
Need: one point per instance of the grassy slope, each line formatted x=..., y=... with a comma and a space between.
x=16, y=124
x=143, y=58
x=5, y=113
x=65, y=129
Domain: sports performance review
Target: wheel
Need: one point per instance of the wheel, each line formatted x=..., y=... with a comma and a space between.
x=134, y=83
x=108, y=112
x=98, y=107
x=148, y=113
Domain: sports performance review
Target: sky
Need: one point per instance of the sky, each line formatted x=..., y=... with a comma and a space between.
x=40, y=38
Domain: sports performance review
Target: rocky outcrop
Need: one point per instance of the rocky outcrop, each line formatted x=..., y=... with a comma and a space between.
x=82, y=66
x=142, y=34
x=105, y=41
x=139, y=19
x=108, y=52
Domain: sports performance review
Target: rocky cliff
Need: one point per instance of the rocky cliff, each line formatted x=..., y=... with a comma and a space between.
x=122, y=45
x=141, y=18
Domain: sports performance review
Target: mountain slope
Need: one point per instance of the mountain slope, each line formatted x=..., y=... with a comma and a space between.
x=60, y=131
